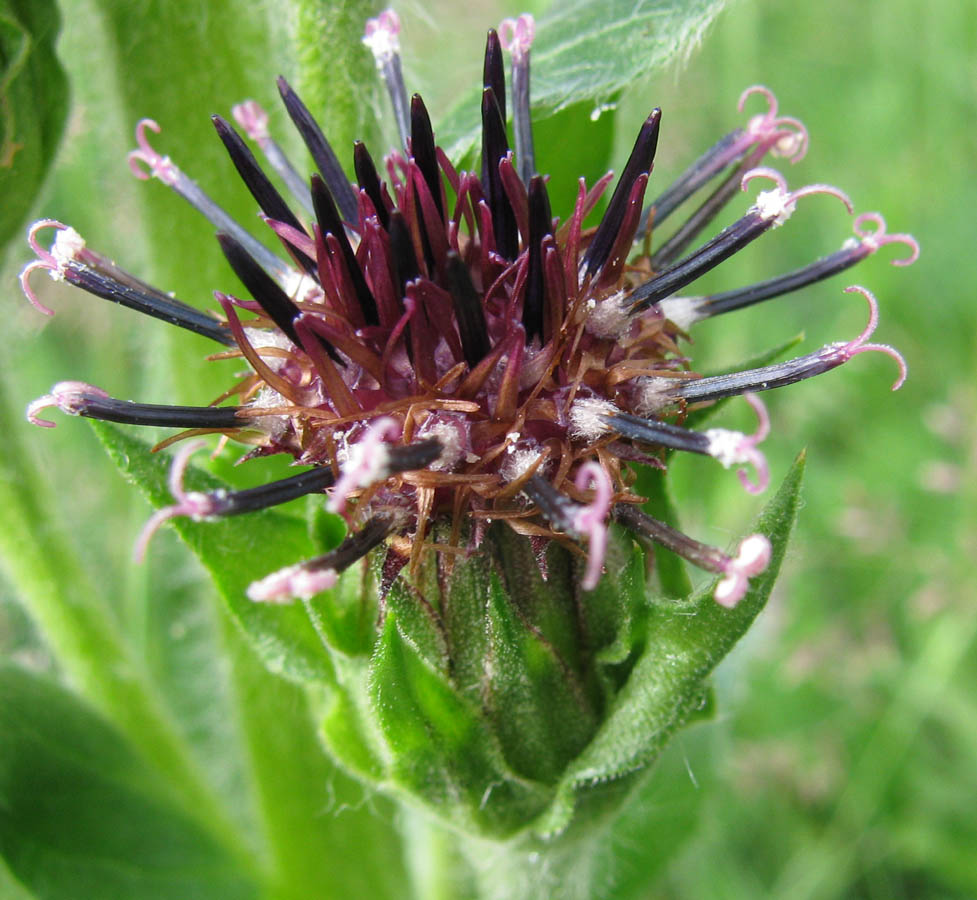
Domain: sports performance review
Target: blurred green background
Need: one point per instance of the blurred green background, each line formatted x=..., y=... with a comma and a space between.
x=843, y=760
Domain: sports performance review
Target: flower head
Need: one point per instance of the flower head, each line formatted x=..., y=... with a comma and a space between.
x=437, y=346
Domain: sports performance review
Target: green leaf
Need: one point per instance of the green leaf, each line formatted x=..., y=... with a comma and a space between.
x=441, y=748
x=612, y=613
x=464, y=610
x=346, y=732
x=33, y=105
x=82, y=816
x=539, y=707
x=327, y=529
x=177, y=627
x=413, y=603
x=686, y=642
x=236, y=551
x=74, y=617
x=10, y=888
x=593, y=144
x=592, y=51
x=542, y=603
x=313, y=816
x=345, y=617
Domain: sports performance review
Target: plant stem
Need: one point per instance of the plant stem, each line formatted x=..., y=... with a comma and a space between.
x=438, y=870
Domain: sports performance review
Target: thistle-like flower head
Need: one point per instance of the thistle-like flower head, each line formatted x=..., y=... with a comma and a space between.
x=436, y=345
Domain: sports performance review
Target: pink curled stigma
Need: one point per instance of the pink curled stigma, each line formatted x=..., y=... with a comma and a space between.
x=380, y=35
x=161, y=167
x=591, y=519
x=860, y=345
x=45, y=260
x=879, y=237
x=517, y=35
x=786, y=136
x=749, y=448
x=251, y=116
x=791, y=197
x=734, y=448
x=68, y=396
x=751, y=559
x=194, y=504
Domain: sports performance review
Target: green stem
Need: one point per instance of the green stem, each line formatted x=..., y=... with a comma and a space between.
x=338, y=86
x=561, y=869
x=437, y=867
